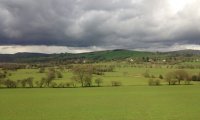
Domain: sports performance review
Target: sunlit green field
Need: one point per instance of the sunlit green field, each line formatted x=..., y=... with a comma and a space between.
x=134, y=100
x=125, y=75
x=103, y=103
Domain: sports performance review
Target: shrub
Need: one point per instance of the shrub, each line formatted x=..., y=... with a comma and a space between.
x=173, y=81
x=98, y=81
x=10, y=84
x=152, y=76
x=187, y=82
x=116, y=83
x=53, y=84
x=160, y=76
x=146, y=74
x=88, y=81
x=2, y=75
x=68, y=84
x=157, y=82
x=29, y=81
x=194, y=78
x=1, y=81
x=40, y=83
x=61, y=85
x=41, y=70
x=154, y=82
x=59, y=74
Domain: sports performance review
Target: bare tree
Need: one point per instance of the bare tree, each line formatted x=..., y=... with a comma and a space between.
x=170, y=78
x=82, y=74
x=50, y=77
x=177, y=76
x=181, y=75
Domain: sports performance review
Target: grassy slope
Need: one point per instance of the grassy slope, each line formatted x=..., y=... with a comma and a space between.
x=100, y=55
x=105, y=103
x=115, y=54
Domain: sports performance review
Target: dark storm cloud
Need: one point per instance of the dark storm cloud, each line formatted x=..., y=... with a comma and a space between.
x=82, y=23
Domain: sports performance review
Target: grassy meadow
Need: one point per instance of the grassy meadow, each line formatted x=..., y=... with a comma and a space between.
x=126, y=74
x=102, y=103
x=134, y=100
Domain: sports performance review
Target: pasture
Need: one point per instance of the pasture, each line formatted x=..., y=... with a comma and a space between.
x=133, y=100
x=102, y=103
x=126, y=74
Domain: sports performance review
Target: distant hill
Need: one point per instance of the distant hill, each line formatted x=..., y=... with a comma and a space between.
x=195, y=52
x=99, y=55
x=186, y=53
x=113, y=54
x=22, y=57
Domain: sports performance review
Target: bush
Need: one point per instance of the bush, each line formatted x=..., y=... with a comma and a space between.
x=88, y=81
x=1, y=81
x=188, y=82
x=152, y=76
x=40, y=83
x=53, y=84
x=173, y=81
x=2, y=75
x=146, y=74
x=154, y=82
x=10, y=84
x=68, y=84
x=160, y=76
x=194, y=78
x=116, y=83
x=61, y=85
x=98, y=81
x=41, y=70
x=59, y=74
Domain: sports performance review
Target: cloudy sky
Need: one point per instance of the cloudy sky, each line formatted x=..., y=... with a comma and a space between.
x=54, y=26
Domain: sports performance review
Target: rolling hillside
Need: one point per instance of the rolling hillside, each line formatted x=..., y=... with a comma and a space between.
x=99, y=55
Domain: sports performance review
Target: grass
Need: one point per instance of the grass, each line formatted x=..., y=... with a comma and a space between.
x=135, y=100
x=126, y=75
x=104, y=103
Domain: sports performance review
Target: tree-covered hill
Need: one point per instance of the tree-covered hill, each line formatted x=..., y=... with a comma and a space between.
x=98, y=55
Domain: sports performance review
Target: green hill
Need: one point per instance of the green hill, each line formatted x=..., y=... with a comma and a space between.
x=98, y=55
x=114, y=54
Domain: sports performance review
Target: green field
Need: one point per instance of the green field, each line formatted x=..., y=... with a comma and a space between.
x=126, y=75
x=104, y=103
x=134, y=100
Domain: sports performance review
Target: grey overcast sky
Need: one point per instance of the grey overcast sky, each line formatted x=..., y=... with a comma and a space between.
x=54, y=26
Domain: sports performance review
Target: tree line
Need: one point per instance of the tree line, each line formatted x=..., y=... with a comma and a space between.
x=176, y=77
x=82, y=74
